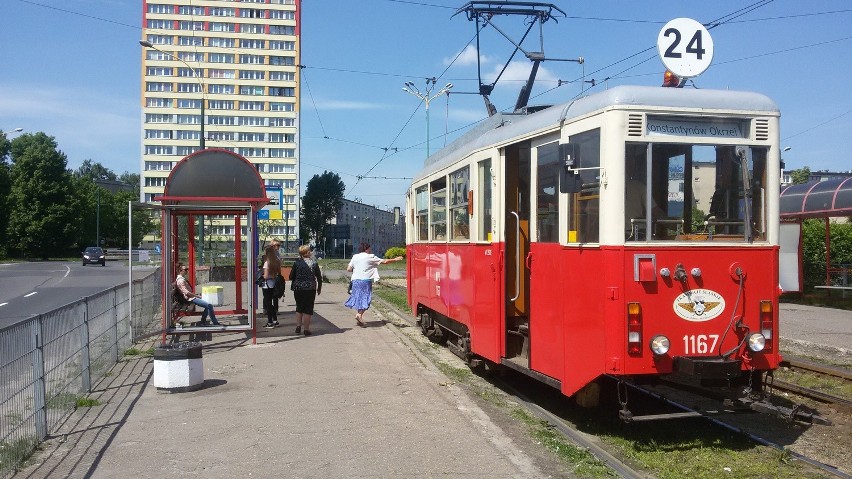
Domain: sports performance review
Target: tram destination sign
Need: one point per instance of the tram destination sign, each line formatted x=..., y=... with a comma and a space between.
x=708, y=129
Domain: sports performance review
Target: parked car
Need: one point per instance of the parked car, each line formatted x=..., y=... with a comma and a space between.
x=94, y=255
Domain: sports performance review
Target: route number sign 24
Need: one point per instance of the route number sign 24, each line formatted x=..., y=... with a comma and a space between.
x=685, y=47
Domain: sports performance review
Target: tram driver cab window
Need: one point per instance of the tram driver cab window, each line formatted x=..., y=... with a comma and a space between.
x=584, y=205
x=637, y=202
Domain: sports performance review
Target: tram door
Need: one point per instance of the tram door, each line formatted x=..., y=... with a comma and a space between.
x=517, y=246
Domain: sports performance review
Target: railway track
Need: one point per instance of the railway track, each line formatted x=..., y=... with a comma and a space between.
x=803, y=365
x=591, y=443
x=580, y=438
x=739, y=430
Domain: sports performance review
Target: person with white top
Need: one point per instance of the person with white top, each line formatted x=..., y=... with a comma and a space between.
x=364, y=269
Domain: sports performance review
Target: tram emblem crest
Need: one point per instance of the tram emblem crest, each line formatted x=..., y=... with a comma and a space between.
x=699, y=305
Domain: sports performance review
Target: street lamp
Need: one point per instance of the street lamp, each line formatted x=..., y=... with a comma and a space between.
x=426, y=98
x=147, y=44
x=16, y=130
x=783, y=165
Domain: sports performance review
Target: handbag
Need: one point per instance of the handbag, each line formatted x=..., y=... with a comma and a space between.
x=349, y=288
x=260, y=280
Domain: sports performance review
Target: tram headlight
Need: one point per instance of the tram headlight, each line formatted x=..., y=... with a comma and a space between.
x=756, y=342
x=660, y=345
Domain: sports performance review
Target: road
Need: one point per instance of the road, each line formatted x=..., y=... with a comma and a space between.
x=27, y=289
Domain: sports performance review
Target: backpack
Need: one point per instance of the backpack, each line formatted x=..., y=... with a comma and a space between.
x=280, y=286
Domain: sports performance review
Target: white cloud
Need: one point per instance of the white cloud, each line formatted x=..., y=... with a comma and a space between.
x=516, y=73
x=467, y=57
x=86, y=125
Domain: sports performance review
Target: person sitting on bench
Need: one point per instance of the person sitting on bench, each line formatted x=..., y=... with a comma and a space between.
x=183, y=285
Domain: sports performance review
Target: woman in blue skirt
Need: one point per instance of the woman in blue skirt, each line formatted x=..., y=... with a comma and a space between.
x=364, y=269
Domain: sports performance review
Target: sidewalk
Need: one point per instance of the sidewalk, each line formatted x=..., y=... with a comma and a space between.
x=345, y=402
x=816, y=332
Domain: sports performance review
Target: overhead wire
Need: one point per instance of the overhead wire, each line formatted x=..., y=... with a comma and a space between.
x=713, y=24
x=399, y=133
x=726, y=19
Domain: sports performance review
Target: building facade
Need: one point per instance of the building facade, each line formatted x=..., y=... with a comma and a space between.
x=223, y=74
x=366, y=224
x=820, y=175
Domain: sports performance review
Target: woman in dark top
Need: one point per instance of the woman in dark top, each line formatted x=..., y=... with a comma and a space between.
x=306, y=283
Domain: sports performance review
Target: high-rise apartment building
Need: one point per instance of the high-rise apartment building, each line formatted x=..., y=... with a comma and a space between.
x=223, y=74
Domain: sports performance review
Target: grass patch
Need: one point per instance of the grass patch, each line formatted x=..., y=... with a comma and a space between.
x=70, y=401
x=693, y=449
x=135, y=352
x=87, y=402
x=459, y=375
x=15, y=452
x=62, y=401
x=827, y=384
x=582, y=461
x=397, y=297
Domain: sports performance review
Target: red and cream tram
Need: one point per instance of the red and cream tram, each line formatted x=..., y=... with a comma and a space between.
x=629, y=233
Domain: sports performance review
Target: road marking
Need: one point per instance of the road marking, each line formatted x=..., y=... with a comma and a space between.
x=4, y=304
x=28, y=295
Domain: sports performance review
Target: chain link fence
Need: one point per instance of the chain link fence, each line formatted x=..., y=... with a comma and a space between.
x=49, y=362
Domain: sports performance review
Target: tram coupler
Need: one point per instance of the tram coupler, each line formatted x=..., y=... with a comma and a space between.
x=798, y=412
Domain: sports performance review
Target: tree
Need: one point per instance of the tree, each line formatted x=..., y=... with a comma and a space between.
x=802, y=175
x=95, y=171
x=42, y=208
x=132, y=179
x=5, y=184
x=323, y=198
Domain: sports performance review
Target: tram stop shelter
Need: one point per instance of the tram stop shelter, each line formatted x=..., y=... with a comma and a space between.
x=205, y=192
x=819, y=199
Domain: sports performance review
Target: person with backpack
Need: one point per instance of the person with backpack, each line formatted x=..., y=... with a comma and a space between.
x=306, y=284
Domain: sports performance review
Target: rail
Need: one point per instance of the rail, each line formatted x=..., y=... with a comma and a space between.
x=50, y=361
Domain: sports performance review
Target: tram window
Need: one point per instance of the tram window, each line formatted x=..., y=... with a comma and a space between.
x=547, y=193
x=421, y=198
x=459, y=186
x=483, y=200
x=696, y=193
x=438, y=218
x=584, y=206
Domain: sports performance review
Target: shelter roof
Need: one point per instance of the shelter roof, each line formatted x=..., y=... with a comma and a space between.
x=214, y=177
x=817, y=199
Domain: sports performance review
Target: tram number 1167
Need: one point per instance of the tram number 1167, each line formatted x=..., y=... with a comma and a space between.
x=700, y=344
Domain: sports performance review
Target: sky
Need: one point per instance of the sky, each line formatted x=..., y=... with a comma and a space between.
x=72, y=70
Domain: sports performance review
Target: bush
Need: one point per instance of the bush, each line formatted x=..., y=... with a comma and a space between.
x=395, y=251
x=813, y=249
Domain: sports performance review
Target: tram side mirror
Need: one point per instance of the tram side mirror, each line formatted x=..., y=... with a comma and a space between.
x=569, y=178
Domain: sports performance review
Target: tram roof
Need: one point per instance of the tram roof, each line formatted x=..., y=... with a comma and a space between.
x=503, y=127
x=817, y=199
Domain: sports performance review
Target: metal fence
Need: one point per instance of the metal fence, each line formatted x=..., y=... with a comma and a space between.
x=51, y=361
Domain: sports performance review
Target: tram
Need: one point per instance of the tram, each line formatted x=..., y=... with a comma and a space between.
x=631, y=233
